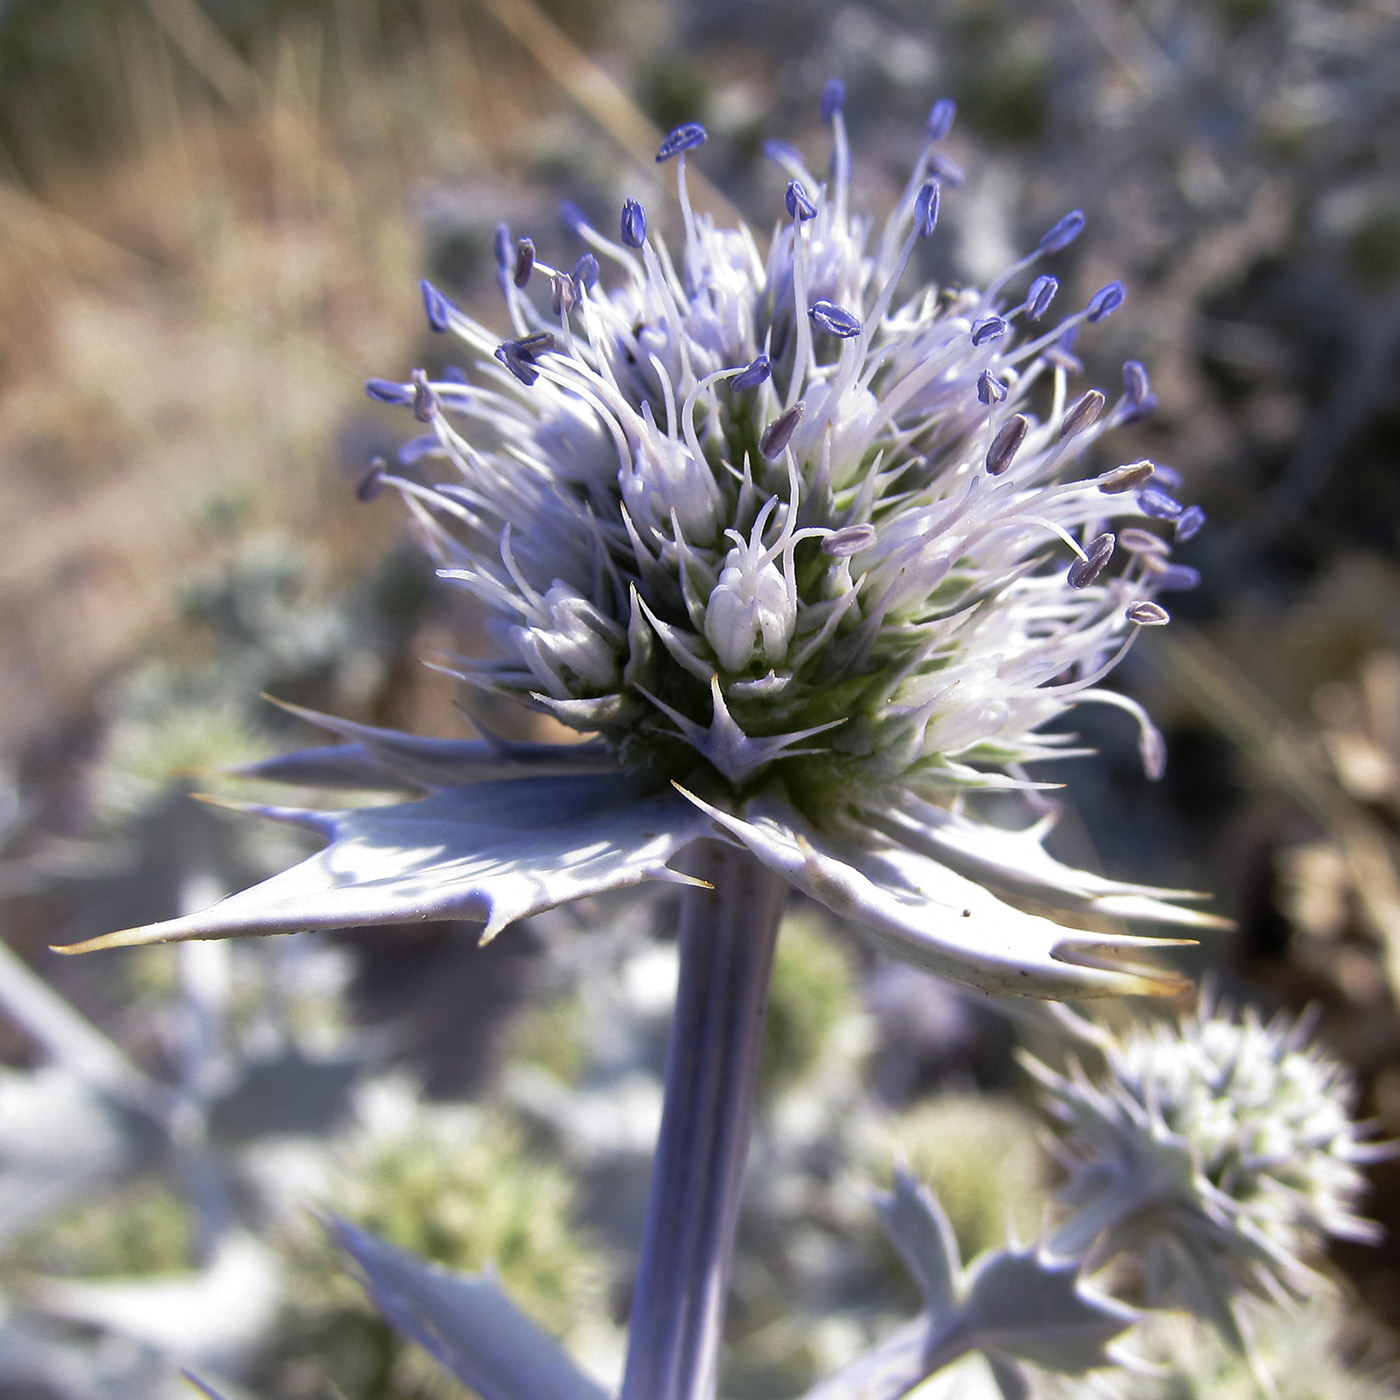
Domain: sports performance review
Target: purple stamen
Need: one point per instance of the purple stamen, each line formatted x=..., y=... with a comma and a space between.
x=1147, y=614
x=781, y=153
x=1082, y=413
x=833, y=99
x=372, y=482
x=1063, y=233
x=926, y=209
x=1096, y=556
x=1128, y=477
x=683, y=138
x=524, y=262
x=575, y=220
x=586, y=272
x=565, y=293
x=1176, y=578
x=1158, y=504
x=386, y=391
x=1136, y=384
x=1106, y=301
x=634, y=224
x=990, y=389
x=504, y=247
x=988, y=328
x=940, y=118
x=753, y=376
x=521, y=368
x=848, y=540
x=437, y=306
x=1137, y=541
x=1189, y=523
x=799, y=202
x=778, y=433
x=1006, y=444
x=1041, y=294
x=424, y=400
x=947, y=169
x=833, y=319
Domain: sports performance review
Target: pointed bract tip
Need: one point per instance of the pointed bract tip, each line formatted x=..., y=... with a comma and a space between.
x=123, y=938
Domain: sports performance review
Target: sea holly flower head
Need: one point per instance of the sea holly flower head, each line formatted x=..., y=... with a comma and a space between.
x=811, y=554
x=1220, y=1149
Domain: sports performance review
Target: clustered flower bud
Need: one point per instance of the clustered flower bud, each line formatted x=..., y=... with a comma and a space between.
x=1221, y=1149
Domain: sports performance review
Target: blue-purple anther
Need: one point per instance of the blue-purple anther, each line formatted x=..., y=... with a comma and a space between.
x=778, y=433
x=1189, y=523
x=1128, y=477
x=634, y=224
x=1158, y=504
x=1096, y=556
x=519, y=356
x=940, y=118
x=833, y=99
x=585, y=272
x=1136, y=385
x=424, y=400
x=1106, y=301
x=1062, y=234
x=782, y=153
x=1147, y=614
x=988, y=328
x=990, y=389
x=1082, y=413
x=1041, y=294
x=1004, y=446
x=415, y=449
x=504, y=248
x=437, y=306
x=798, y=202
x=849, y=540
x=683, y=138
x=369, y=486
x=750, y=378
x=1176, y=578
x=564, y=295
x=926, y=209
x=834, y=320
x=575, y=220
x=387, y=391
x=524, y=263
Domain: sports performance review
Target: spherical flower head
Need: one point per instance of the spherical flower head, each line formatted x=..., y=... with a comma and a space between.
x=648, y=471
x=811, y=554
x=1222, y=1144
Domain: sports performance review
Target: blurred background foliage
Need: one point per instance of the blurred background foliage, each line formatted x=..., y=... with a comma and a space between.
x=213, y=215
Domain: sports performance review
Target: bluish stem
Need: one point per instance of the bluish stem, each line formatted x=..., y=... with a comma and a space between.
x=727, y=937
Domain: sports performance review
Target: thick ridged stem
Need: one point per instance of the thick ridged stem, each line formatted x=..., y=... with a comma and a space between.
x=727, y=937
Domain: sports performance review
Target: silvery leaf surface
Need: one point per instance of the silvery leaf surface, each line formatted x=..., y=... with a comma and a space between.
x=1030, y=1306
x=923, y=1236
x=924, y=913
x=371, y=759
x=491, y=852
x=1017, y=863
x=468, y=1324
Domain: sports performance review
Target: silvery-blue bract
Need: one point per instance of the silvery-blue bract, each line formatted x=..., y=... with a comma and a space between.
x=804, y=552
